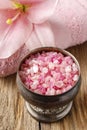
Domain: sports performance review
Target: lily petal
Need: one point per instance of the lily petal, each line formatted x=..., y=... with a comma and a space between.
x=4, y=15
x=33, y=41
x=41, y=36
x=30, y=1
x=16, y=36
x=5, y=4
x=41, y=11
x=83, y=3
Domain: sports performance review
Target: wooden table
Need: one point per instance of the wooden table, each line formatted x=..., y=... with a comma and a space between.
x=13, y=113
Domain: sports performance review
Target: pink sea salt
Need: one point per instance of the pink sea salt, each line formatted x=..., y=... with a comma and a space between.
x=49, y=73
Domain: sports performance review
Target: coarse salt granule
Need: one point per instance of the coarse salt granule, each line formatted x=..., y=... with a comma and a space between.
x=49, y=73
x=51, y=65
x=35, y=68
x=44, y=70
x=75, y=78
x=68, y=68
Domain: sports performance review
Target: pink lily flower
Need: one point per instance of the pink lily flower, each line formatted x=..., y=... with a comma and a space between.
x=22, y=20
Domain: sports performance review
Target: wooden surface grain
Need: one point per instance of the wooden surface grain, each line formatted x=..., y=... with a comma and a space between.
x=13, y=113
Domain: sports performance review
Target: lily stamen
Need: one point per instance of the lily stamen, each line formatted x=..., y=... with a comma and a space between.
x=11, y=20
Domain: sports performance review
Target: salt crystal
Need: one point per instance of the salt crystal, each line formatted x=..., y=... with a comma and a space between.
x=51, y=65
x=68, y=87
x=68, y=68
x=35, y=77
x=58, y=92
x=59, y=84
x=75, y=78
x=50, y=91
x=47, y=78
x=28, y=71
x=33, y=86
x=55, y=61
x=35, y=68
x=35, y=82
x=44, y=85
x=63, y=90
x=44, y=70
x=37, y=91
x=34, y=61
x=68, y=60
x=74, y=67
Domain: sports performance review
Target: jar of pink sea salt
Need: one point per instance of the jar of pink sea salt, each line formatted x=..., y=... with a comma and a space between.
x=49, y=78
